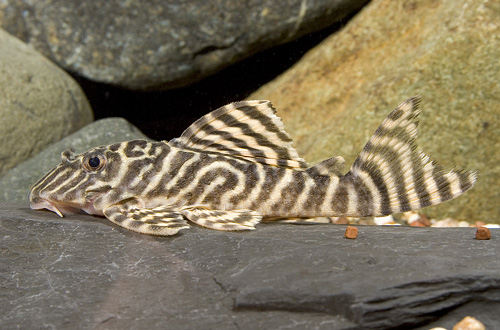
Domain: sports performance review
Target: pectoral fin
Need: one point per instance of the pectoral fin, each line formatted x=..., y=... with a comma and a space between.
x=222, y=220
x=158, y=221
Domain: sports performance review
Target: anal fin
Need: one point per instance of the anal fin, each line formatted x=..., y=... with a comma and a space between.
x=227, y=220
x=158, y=221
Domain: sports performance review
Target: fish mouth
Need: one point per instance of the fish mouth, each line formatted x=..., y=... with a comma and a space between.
x=59, y=208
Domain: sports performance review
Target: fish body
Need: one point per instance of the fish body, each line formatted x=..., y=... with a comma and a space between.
x=236, y=166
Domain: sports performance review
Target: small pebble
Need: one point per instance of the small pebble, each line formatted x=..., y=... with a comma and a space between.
x=366, y=222
x=320, y=220
x=479, y=223
x=412, y=216
x=383, y=220
x=449, y=222
x=425, y=220
x=351, y=232
x=469, y=323
x=483, y=233
x=463, y=224
x=417, y=223
x=341, y=221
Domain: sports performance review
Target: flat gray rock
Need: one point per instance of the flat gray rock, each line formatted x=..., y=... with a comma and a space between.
x=163, y=44
x=84, y=272
x=14, y=185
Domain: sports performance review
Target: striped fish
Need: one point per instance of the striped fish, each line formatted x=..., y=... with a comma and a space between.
x=236, y=166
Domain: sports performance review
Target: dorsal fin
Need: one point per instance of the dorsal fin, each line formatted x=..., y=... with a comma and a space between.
x=330, y=166
x=248, y=129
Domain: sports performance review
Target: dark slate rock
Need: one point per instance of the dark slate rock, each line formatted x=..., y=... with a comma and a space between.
x=164, y=43
x=84, y=272
x=14, y=185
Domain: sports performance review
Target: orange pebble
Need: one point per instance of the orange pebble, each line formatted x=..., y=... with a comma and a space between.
x=351, y=232
x=417, y=223
x=425, y=220
x=342, y=221
x=483, y=233
x=479, y=224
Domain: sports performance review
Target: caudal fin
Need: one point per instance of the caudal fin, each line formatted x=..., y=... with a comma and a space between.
x=395, y=176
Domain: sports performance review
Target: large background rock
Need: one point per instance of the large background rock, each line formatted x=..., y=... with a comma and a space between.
x=84, y=272
x=39, y=103
x=15, y=184
x=446, y=51
x=162, y=43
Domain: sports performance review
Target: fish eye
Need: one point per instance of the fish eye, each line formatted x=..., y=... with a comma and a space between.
x=94, y=163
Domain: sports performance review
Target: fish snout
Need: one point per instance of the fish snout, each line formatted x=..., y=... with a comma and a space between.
x=38, y=203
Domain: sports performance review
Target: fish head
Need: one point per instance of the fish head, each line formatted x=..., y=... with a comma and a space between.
x=77, y=182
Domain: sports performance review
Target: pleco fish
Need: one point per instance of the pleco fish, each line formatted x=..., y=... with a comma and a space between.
x=236, y=166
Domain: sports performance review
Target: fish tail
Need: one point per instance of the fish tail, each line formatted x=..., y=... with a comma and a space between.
x=392, y=175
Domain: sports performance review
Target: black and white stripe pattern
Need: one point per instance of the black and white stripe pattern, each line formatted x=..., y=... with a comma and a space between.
x=236, y=165
x=160, y=221
x=397, y=175
x=246, y=129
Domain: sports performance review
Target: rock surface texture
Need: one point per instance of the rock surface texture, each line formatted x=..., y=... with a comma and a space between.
x=166, y=43
x=39, y=103
x=84, y=272
x=15, y=184
x=446, y=51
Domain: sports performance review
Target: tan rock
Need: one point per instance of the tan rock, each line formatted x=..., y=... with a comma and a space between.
x=446, y=51
x=39, y=103
x=469, y=323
